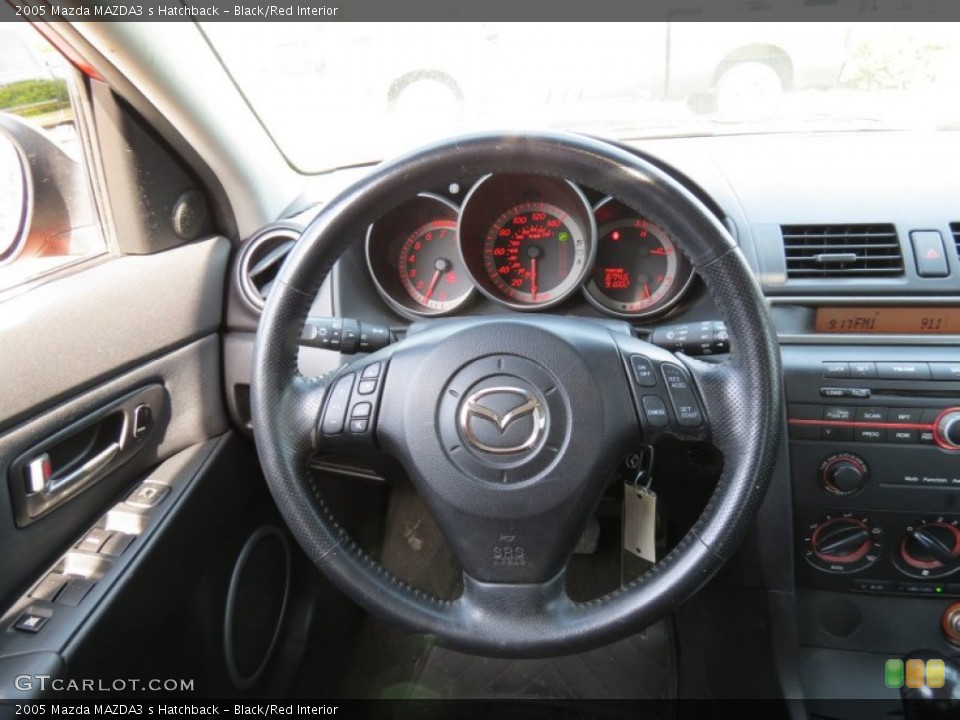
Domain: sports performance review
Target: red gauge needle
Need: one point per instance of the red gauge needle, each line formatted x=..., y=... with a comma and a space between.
x=533, y=278
x=646, y=290
x=433, y=284
x=440, y=266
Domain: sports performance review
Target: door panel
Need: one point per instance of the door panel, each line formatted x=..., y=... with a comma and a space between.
x=80, y=343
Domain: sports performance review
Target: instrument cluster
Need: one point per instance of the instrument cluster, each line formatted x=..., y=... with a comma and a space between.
x=527, y=243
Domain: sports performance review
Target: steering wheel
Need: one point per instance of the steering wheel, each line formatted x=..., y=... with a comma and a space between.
x=511, y=427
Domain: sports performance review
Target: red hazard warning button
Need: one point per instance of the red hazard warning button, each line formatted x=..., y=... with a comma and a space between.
x=928, y=252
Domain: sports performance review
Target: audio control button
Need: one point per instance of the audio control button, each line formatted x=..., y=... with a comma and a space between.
x=869, y=434
x=903, y=436
x=905, y=416
x=836, y=432
x=837, y=413
x=872, y=414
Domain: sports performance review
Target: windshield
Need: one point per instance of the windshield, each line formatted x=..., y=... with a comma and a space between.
x=337, y=94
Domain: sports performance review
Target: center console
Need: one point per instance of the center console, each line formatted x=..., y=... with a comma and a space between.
x=875, y=465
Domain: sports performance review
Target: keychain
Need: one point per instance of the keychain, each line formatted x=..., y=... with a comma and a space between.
x=640, y=509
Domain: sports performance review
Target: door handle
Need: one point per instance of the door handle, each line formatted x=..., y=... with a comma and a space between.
x=88, y=470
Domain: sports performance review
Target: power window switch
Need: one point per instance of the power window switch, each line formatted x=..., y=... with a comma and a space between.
x=48, y=588
x=75, y=591
x=116, y=545
x=93, y=540
x=30, y=622
x=147, y=494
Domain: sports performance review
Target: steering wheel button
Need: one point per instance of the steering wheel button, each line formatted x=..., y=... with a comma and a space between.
x=367, y=387
x=643, y=371
x=336, y=411
x=681, y=396
x=358, y=426
x=655, y=410
x=361, y=410
x=371, y=371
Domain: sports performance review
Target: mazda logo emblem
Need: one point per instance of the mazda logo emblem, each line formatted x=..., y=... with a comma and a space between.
x=475, y=411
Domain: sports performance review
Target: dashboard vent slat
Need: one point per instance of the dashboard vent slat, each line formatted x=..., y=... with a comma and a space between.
x=837, y=251
x=955, y=229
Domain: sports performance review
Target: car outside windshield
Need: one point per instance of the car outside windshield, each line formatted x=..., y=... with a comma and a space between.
x=340, y=94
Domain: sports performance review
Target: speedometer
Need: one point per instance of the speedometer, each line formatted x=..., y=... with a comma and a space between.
x=535, y=253
x=527, y=241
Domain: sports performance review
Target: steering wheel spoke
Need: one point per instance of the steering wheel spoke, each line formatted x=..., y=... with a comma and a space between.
x=346, y=420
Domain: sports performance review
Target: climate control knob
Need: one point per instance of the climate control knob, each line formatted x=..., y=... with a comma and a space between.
x=844, y=474
x=947, y=429
x=930, y=548
x=843, y=544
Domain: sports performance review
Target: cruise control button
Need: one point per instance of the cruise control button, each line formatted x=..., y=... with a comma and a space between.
x=655, y=410
x=903, y=371
x=643, y=371
x=336, y=411
x=371, y=371
x=681, y=396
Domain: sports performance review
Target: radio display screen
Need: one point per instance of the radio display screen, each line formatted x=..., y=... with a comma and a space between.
x=890, y=320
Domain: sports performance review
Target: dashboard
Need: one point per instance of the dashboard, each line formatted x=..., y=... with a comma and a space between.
x=855, y=241
x=524, y=243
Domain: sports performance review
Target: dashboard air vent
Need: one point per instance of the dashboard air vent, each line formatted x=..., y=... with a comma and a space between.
x=837, y=251
x=955, y=229
x=261, y=261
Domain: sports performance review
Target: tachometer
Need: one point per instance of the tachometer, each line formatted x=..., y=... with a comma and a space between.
x=414, y=260
x=527, y=240
x=638, y=270
x=428, y=267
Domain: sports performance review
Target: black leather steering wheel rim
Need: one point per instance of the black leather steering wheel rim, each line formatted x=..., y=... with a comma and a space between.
x=742, y=396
